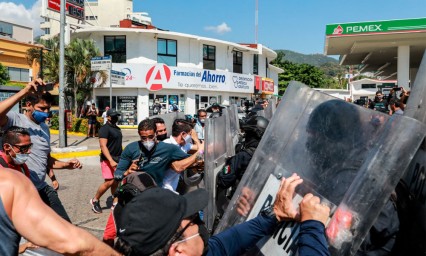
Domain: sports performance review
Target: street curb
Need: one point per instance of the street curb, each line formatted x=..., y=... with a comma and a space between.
x=56, y=132
x=76, y=154
x=128, y=126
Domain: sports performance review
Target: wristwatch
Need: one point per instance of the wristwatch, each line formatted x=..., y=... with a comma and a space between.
x=269, y=212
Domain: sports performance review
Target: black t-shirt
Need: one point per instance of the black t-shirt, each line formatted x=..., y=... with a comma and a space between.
x=114, y=144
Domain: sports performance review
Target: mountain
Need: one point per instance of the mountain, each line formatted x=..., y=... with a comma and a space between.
x=312, y=59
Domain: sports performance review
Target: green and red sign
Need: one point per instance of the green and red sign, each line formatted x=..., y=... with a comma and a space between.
x=376, y=27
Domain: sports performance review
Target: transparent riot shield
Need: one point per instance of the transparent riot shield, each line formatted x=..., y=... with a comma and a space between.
x=261, y=113
x=216, y=143
x=168, y=118
x=270, y=110
x=350, y=156
x=234, y=124
x=413, y=182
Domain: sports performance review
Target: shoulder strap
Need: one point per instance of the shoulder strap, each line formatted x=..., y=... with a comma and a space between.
x=3, y=163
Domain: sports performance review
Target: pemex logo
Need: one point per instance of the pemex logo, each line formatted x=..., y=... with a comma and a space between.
x=338, y=30
x=157, y=76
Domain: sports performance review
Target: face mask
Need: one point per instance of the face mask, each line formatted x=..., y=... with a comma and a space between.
x=148, y=144
x=202, y=121
x=39, y=116
x=162, y=137
x=188, y=139
x=19, y=158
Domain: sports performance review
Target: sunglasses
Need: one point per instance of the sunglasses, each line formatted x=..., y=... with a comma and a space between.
x=23, y=148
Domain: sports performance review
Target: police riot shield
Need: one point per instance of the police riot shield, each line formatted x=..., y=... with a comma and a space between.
x=349, y=156
x=234, y=124
x=270, y=109
x=260, y=113
x=413, y=183
x=216, y=138
x=168, y=118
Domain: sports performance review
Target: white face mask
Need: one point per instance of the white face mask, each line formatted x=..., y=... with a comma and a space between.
x=188, y=139
x=148, y=144
x=20, y=158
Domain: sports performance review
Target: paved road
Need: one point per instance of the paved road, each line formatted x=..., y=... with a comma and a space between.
x=77, y=187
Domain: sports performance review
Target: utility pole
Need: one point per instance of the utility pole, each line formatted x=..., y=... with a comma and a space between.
x=62, y=136
x=256, y=21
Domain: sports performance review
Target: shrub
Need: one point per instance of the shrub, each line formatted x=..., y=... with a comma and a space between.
x=78, y=124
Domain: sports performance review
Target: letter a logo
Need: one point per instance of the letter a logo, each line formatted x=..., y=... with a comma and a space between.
x=157, y=77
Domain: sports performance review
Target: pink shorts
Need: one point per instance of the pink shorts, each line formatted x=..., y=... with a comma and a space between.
x=107, y=170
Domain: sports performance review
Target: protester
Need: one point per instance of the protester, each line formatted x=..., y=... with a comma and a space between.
x=160, y=222
x=379, y=103
x=182, y=136
x=156, y=107
x=23, y=213
x=110, y=141
x=39, y=160
x=200, y=123
x=92, y=113
x=104, y=115
x=16, y=147
x=153, y=156
x=161, y=128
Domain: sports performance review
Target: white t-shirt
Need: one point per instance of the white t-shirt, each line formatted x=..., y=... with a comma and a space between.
x=171, y=177
x=104, y=117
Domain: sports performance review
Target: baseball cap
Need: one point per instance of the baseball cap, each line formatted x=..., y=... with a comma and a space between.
x=112, y=112
x=151, y=218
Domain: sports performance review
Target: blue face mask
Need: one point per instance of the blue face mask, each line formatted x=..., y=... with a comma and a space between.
x=39, y=116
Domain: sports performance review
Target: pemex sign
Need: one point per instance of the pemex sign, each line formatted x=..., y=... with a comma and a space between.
x=377, y=27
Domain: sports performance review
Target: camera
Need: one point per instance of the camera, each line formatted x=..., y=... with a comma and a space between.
x=45, y=87
x=397, y=89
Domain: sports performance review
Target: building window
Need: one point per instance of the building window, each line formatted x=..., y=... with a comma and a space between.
x=368, y=86
x=256, y=64
x=116, y=47
x=19, y=74
x=6, y=29
x=91, y=17
x=209, y=57
x=167, y=51
x=47, y=31
x=237, y=62
x=266, y=67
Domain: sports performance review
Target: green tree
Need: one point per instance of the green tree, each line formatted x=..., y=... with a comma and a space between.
x=50, y=59
x=4, y=75
x=77, y=57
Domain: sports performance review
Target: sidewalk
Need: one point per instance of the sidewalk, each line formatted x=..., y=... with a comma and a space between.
x=80, y=146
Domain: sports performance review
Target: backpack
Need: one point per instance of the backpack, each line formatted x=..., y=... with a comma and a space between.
x=132, y=185
x=155, y=110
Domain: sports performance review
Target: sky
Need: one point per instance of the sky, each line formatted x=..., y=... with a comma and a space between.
x=282, y=24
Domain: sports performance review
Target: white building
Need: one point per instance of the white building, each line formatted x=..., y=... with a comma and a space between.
x=81, y=13
x=367, y=88
x=189, y=70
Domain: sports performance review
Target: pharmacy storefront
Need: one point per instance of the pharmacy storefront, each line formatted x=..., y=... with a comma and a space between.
x=189, y=88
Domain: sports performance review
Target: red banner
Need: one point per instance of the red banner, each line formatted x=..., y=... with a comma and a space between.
x=73, y=8
x=267, y=85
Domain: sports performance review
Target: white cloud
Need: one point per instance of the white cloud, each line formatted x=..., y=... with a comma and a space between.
x=18, y=14
x=220, y=29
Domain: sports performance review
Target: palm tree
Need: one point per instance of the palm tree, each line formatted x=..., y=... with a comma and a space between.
x=50, y=58
x=77, y=58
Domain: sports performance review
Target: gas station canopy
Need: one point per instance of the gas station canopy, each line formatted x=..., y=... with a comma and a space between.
x=392, y=49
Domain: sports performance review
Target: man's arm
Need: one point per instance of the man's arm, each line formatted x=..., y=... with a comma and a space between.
x=7, y=104
x=103, y=144
x=126, y=161
x=41, y=225
x=314, y=216
x=54, y=163
x=182, y=165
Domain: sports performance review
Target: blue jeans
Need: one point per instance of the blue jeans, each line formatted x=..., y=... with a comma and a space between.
x=50, y=197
